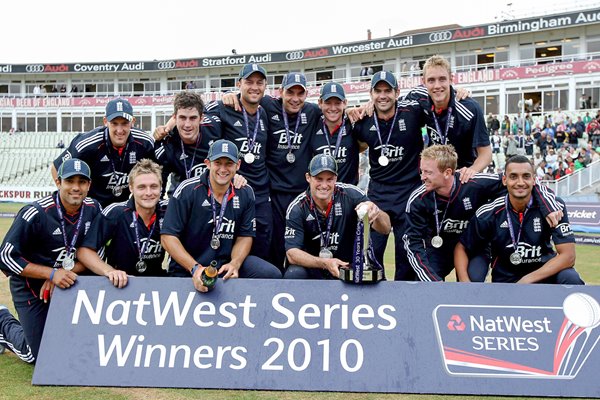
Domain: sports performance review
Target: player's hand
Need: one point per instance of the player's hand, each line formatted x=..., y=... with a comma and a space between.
x=462, y=93
x=554, y=218
x=239, y=181
x=332, y=266
x=117, y=277
x=64, y=279
x=231, y=100
x=162, y=131
x=355, y=114
x=230, y=271
x=47, y=290
x=197, y=280
x=466, y=174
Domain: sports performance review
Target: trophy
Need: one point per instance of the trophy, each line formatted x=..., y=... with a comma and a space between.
x=364, y=267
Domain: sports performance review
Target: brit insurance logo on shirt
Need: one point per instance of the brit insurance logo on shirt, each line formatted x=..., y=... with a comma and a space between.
x=548, y=342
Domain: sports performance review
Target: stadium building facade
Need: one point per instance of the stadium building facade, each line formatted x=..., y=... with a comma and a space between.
x=536, y=64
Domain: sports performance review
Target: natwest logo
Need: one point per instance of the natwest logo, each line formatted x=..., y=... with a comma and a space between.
x=468, y=33
x=316, y=53
x=456, y=323
x=56, y=68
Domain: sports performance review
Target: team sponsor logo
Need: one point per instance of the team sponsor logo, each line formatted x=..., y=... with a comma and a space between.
x=104, y=159
x=57, y=231
x=455, y=225
x=529, y=253
x=440, y=36
x=394, y=153
x=237, y=123
x=504, y=225
x=564, y=229
x=205, y=203
x=341, y=155
x=310, y=217
x=34, y=68
x=468, y=33
x=294, y=55
x=6, y=68
x=165, y=65
x=227, y=228
x=153, y=248
x=516, y=342
x=275, y=117
x=290, y=233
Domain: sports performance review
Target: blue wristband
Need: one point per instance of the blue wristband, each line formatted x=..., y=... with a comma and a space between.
x=195, y=268
x=52, y=274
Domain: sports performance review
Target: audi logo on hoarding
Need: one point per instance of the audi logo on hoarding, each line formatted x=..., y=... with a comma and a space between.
x=166, y=65
x=294, y=55
x=34, y=68
x=440, y=36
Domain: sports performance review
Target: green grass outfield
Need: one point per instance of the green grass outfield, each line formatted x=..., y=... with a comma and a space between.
x=15, y=375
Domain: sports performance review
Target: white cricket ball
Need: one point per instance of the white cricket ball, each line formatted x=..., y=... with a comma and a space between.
x=582, y=310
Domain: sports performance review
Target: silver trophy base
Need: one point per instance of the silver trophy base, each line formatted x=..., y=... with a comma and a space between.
x=368, y=276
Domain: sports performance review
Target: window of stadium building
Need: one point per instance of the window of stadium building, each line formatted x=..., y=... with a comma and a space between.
x=36, y=123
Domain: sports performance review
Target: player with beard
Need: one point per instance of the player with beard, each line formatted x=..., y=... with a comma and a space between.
x=521, y=240
x=38, y=253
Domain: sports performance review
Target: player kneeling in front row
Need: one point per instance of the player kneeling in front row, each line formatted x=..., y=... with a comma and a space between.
x=321, y=223
x=38, y=253
x=520, y=237
x=209, y=222
x=127, y=234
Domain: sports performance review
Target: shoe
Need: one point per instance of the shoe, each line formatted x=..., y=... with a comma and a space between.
x=2, y=349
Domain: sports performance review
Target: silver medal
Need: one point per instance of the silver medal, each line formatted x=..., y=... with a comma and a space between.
x=325, y=253
x=290, y=157
x=215, y=243
x=437, y=241
x=141, y=266
x=117, y=191
x=516, y=258
x=69, y=262
x=383, y=161
x=249, y=158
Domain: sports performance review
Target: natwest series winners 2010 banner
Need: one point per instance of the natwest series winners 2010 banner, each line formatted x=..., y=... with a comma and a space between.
x=325, y=336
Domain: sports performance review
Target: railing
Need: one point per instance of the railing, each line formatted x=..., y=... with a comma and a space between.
x=577, y=181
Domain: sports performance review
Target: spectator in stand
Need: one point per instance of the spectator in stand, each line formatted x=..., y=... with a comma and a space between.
x=583, y=101
x=548, y=144
x=537, y=159
x=588, y=103
x=190, y=85
x=580, y=162
x=570, y=168
x=60, y=144
x=495, y=124
x=549, y=175
x=560, y=172
x=552, y=159
x=595, y=154
x=573, y=137
x=505, y=125
x=549, y=129
x=540, y=171
x=511, y=146
x=587, y=119
x=488, y=122
x=559, y=118
x=560, y=136
x=514, y=128
x=529, y=142
x=595, y=138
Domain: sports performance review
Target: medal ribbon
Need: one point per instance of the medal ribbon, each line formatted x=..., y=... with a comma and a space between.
x=68, y=247
x=185, y=167
x=338, y=142
x=384, y=149
x=143, y=247
x=287, y=129
x=218, y=222
x=509, y=222
x=444, y=137
x=329, y=216
x=252, y=141
x=438, y=225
